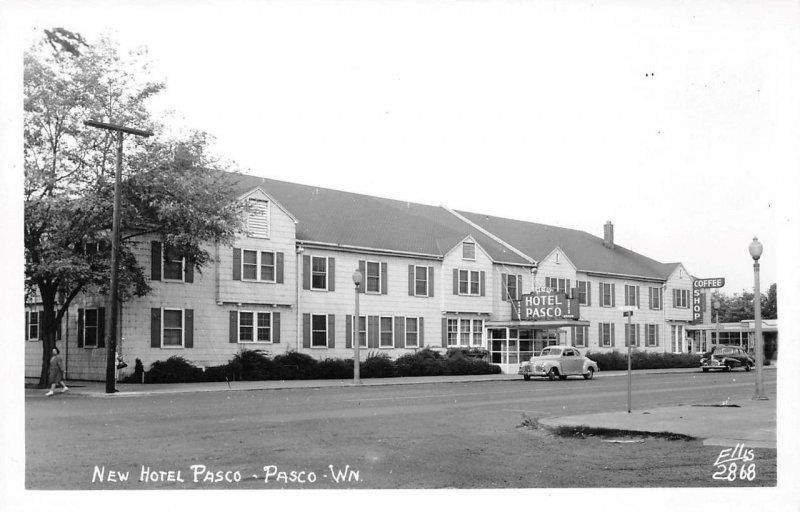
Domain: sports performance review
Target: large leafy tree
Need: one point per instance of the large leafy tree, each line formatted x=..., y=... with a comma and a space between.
x=171, y=187
x=739, y=306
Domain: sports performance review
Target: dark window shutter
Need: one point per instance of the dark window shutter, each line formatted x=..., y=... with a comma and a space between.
x=233, y=327
x=411, y=280
x=430, y=281
x=588, y=293
x=80, y=327
x=444, y=333
x=331, y=331
x=674, y=298
x=637, y=335
x=613, y=337
x=384, y=278
x=658, y=337
x=504, y=286
x=637, y=296
x=155, y=260
x=188, y=335
x=348, y=328
x=331, y=274
x=572, y=337
x=155, y=327
x=237, y=264
x=455, y=281
x=421, y=331
x=101, y=327
x=276, y=327
x=279, y=267
x=613, y=295
x=306, y=330
x=306, y=272
x=27, y=324
x=569, y=288
x=373, y=334
x=483, y=283
x=599, y=335
x=519, y=288
x=547, y=282
x=188, y=273
x=399, y=332
x=362, y=265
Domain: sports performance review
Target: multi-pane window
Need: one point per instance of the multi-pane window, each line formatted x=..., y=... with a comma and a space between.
x=676, y=338
x=267, y=266
x=469, y=282
x=412, y=332
x=477, y=333
x=255, y=327
x=33, y=325
x=173, y=264
x=606, y=295
x=91, y=319
x=250, y=265
x=387, y=332
x=319, y=273
x=681, y=298
x=465, y=331
x=172, y=328
x=362, y=331
x=511, y=287
x=468, y=250
x=421, y=281
x=258, y=218
x=452, y=332
x=651, y=335
x=655, y=297
x=581, y=335
x=605, y=335
x=470, y=332
x=558, y=284
x=631, y=332
x=631, y=295
x=583, y=293
x=319, y=330
x=373, y=277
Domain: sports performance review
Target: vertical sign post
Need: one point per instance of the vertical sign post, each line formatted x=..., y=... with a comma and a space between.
x=627, y=311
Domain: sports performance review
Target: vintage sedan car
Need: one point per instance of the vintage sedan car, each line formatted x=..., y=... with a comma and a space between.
x=726, y=358
x=558, y=361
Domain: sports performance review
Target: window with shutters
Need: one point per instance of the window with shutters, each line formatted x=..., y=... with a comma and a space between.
x=33, y=325
x=258, y=266
x=362, y=331
x=631, y=335
x=477, y=332
x=465, y=332
x=91, y=321
x=258, y=218
x=682, y=299
x=606, y=339
x=511, y=287
x=172, y=328
x=651, y=335
x=468, y=251
x=373, y=270
x=631, y=295
x=412, y=332
x=606, y=295
x=319, y=331
x=255, y=327
x=173, y=265
x=656, y=297
x=557, y=284
x=421, y=281
x=583, y=293
x=319, y=273
x=469, y=282
x=386, y=332
x=581, y=335
x=452, y=332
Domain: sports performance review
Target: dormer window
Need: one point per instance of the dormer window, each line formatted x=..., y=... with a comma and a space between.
x=258, y=218
x=468, y=250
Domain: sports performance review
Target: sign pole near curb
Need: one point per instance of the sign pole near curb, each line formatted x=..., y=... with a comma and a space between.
x=627, y=311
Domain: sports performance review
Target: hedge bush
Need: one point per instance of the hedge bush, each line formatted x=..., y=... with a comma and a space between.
x=174, y=369
x=377, y=365
x=642, y=360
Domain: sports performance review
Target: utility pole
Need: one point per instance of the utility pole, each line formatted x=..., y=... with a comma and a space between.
x=111, y=345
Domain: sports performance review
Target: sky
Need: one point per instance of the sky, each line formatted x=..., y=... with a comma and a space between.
x=676, y=120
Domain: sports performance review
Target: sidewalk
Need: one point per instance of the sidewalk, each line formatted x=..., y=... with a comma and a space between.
x=753, y=422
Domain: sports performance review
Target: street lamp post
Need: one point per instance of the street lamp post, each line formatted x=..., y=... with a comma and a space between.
x=111, y=354
x=755, y=251
x=357, y=277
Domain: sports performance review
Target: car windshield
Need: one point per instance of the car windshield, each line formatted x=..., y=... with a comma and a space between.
x=726, y=351
x=551, y=352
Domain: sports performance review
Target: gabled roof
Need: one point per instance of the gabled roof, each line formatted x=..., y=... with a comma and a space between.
x=355, y=220
x=586, y=251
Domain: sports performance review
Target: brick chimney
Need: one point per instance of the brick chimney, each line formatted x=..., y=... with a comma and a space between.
x=608, y=235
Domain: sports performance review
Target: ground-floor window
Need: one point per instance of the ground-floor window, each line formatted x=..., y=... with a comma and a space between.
x=632, y=335
x=412, y=332
x=676, y=338
x=32, y=318
x=172, y=328
x=606, y=335
x=387, y=332
x=319, y=331
x=255, y=327
x=581, y=335
x=90, y=327
x=651, y=335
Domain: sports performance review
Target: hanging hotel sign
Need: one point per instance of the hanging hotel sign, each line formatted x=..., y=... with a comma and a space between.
x=545, y=304
x=699, y=298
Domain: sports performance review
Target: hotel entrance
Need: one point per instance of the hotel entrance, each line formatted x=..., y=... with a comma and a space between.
x=511, y=344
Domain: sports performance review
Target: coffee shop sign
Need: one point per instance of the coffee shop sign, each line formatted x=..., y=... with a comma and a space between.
x=545, y=304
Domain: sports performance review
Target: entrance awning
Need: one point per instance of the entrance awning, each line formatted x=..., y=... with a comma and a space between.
x=538, y=324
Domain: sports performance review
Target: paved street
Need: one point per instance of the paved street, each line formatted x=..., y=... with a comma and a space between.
x=461, y=435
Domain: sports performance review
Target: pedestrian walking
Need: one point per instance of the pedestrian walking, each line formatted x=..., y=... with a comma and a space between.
x=56, y=373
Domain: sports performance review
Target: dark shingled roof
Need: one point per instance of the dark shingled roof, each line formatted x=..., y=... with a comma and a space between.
x=357, y=220
x=586, y=251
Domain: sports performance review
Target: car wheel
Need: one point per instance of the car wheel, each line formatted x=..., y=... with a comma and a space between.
x=526, y=377
x=727, y=368
x=705, y=370
x=747, y=367
x=562, y=377
x=589, y=374
x=552, y=374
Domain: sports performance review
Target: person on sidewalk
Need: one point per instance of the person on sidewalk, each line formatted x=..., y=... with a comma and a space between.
x=56, y=373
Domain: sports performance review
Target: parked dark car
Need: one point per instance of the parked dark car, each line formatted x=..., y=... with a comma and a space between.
x=726, y=358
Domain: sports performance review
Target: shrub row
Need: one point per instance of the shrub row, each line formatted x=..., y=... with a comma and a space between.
x=256, y=365
x=640, y=360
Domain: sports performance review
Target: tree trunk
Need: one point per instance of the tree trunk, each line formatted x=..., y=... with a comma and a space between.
x=47, y=331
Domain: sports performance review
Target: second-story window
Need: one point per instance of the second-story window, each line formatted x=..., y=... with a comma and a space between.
x=421, y=281
x=373, y=277
x=258, y=265
x=606, y=295
x=655, y=297
x=469, y=282
x=173, y=264
x=631, y=295
x=583, y=293
x=319, y=273
x=681, y=298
